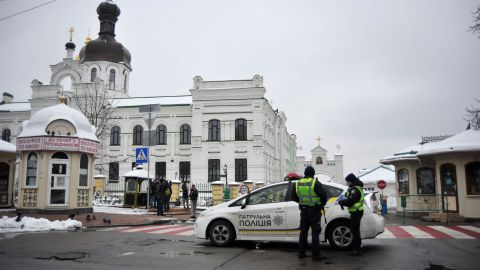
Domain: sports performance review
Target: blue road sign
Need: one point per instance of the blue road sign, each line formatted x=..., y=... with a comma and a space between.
x=141, y=155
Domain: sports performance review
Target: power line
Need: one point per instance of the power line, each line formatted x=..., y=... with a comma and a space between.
x=23, y=11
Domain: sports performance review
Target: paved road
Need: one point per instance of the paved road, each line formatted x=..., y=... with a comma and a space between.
x=124, y=249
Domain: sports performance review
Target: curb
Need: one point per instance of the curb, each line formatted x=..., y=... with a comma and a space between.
x=155, y=222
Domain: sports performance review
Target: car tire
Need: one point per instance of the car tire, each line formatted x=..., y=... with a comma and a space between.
x=340, y=235
x=221, y=233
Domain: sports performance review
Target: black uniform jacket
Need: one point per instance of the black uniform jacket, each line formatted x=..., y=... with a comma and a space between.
x=353, y=194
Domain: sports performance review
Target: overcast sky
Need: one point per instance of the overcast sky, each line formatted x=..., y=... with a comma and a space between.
x=370, y=76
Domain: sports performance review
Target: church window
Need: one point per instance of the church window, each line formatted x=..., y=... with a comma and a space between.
x=138, y=135
x=426, y=181
x=83, y=182
x=472, y=171
x=111, y=80
x=31, y=170
x=213, y=170
x=113, y=171
x=93, y=74
x=240, y=130
x=66, y=83
x=6, y=133
x=214, y=130
x=319, y=161
x=115, y=136
x=185, y=134
x=161, y=135
x=403, y=182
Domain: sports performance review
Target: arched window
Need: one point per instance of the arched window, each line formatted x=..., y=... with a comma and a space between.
x=59, y=155
x=111, y=80
x=161, y=135
x=6, y=133
x=319, y=161
x=472, y=171
x=83, y=181
x=115, y=136
x=93, y=74
x=66, y=83
x=403, y=182
x=425, y=181
x=31, y=179
x=448, y=179
x=138, y=135
x=240, y=130
x=214, y=130
x=185, y=134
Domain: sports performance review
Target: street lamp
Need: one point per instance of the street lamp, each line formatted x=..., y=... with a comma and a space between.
x=226, y=190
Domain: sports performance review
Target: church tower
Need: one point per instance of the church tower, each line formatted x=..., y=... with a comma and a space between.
x=106, y=58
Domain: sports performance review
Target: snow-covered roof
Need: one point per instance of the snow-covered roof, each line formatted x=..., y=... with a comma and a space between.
x=15, y=107
x=38, y=123
x=162, y=100
x=139, y=174
x=7, y=147
x=381, y=172
x=466, y=141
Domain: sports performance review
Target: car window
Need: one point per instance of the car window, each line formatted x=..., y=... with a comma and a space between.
x=332, y=191
x=273, y=194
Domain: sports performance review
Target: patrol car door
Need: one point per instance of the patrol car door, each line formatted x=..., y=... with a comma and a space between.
x=263, y=217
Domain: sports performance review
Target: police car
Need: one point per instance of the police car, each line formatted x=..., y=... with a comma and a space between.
x=269, y=214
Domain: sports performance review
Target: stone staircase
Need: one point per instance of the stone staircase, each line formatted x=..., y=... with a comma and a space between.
x=442, y=217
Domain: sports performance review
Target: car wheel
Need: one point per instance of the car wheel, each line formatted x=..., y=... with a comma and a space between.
x=221, y=233
x=340, y=236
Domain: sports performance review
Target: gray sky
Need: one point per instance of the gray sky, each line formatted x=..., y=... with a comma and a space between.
x=371, y=76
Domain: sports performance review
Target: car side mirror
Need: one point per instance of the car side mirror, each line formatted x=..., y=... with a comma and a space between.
x=244, y=203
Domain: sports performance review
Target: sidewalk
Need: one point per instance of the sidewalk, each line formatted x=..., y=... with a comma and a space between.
x=394, y=219
x=100, y=219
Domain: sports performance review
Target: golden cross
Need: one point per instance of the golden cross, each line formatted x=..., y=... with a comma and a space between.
x=71, y=33
x=318, y=139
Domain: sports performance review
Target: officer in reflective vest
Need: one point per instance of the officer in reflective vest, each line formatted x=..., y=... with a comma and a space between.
x=311, y=197
x=354, y=199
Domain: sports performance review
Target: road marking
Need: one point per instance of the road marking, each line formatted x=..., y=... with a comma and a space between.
x=416, y=232
x=453, y=233
x=386, y=234
x=399, y=232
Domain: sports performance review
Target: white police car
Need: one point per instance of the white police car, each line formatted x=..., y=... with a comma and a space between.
x=268, y=214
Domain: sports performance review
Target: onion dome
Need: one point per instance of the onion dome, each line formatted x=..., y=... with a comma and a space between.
x=70, y=45
x=105, y=47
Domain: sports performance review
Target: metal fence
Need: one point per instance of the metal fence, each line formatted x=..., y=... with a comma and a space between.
x=421, y=203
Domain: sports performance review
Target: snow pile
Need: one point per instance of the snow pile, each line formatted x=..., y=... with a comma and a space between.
x=29, y=224
x=118, y=210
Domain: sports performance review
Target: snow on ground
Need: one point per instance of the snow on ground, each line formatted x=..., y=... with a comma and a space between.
x=119, y=210
x=29, y=224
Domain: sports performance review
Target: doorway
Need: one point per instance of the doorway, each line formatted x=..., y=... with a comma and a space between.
x=59, y=179
x=448, y=179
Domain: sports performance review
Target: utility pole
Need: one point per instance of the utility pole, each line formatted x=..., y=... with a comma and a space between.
x=150, y=108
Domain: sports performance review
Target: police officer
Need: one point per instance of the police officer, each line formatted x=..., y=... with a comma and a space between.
x=311, y=197
x=354, y=201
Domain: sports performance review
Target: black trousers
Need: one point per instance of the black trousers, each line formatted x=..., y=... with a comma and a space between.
x=356, y=217
x=310, y=218
x=160, y=206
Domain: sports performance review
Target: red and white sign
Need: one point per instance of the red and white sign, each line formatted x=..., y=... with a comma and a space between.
x=381, y=184
x=57, y=143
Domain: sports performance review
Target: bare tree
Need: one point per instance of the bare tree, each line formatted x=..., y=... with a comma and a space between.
x=473, y=115
x=476, y=27
x=93, y=101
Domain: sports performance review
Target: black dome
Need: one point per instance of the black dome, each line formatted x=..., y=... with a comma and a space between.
x=70, y=45
x=105, y=47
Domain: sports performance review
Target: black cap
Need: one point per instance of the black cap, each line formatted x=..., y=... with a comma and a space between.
x=309, y=171
x=351, y=178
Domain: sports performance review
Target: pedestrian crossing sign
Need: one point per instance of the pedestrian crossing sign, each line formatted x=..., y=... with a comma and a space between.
x=141, y=155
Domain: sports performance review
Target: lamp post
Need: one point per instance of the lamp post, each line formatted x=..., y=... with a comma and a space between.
x=226, y=190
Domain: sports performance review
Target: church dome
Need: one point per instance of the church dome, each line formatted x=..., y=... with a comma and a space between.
x=68, y=118
x=105, y=47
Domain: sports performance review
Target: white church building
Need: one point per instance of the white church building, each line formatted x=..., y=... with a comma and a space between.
x=216, y=125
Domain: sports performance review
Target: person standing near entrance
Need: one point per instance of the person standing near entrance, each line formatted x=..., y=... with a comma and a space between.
x=185, y=194
x=311, y=197
x=161, y=195
x=354, y=199
x=193, y=198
